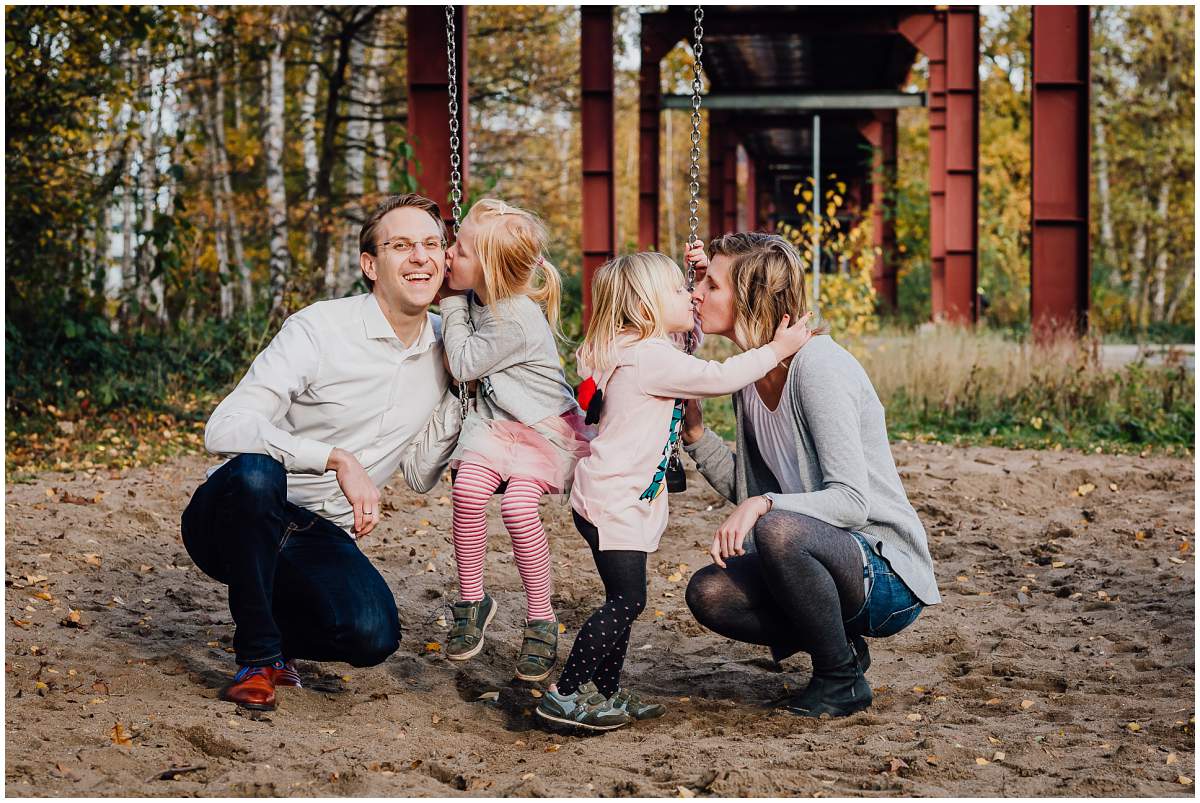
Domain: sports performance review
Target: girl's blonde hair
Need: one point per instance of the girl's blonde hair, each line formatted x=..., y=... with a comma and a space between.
x=767, y=275
x=629, y=296
x=510, y=242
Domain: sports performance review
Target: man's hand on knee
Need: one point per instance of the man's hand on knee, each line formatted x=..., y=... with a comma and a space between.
x=360, y=491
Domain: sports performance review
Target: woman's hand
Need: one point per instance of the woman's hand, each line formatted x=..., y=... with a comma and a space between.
x=732, y=534
x=693, y=421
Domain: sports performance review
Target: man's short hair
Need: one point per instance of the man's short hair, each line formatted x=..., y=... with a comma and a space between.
x=370, y=228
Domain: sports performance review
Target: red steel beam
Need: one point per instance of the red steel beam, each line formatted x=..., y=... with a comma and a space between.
x=428, y=99
x=962, y=164
x=751, y=210
x=649, y=173
x=596, y=118
x=729, y=185
x=927, y=32
x=881, y=133
x=1060, y=269
x=716, y=174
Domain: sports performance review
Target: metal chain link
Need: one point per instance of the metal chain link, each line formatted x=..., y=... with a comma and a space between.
x=455, y=142
x=464, y=398
x=694, y=167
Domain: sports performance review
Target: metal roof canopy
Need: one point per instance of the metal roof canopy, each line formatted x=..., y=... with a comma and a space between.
x=795, y=58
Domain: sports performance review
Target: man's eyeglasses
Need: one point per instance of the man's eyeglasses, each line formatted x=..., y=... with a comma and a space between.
x=402, y=246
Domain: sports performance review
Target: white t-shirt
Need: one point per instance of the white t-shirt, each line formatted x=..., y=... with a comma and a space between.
x=772, y=433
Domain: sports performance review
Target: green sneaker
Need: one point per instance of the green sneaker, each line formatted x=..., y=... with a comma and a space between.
x=539, y=650
x=470, y=623
x=628, y=701
x=586, y=708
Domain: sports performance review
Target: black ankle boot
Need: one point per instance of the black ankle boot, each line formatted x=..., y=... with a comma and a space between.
x=838, y=689
x=861, y=652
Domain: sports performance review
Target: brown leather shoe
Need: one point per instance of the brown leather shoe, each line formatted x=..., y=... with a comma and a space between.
x=287, y=675
x=253, y=687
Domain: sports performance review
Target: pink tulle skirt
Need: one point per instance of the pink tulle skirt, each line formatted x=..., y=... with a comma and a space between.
x=546, y=451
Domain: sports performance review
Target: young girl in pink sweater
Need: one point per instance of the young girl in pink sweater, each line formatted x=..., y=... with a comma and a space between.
x=618, y=499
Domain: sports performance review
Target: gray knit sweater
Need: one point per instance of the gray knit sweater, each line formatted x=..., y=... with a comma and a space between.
x=508, y=346
x=846, y=463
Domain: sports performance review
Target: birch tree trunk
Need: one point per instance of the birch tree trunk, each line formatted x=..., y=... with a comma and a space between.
x=380, y=156
x=308, y=111
x=217, y=118
x=1181, y=292
x=1138, y=281
x=1107, y=238
x=148, y=191
x=218, y=217
x=357, y=129
x=273, y=150
x=1161, y=259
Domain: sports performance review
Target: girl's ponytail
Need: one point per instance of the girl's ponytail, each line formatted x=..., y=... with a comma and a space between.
x=548, y=294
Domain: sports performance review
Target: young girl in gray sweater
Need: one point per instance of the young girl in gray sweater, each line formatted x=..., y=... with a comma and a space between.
x=525, y=427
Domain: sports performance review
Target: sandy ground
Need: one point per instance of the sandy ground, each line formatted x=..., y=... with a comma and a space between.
x=1062, y=661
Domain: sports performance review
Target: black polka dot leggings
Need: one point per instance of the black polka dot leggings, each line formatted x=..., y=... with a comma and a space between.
x=599, y=650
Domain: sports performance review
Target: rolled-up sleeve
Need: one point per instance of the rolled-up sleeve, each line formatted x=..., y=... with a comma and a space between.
x=245, y=422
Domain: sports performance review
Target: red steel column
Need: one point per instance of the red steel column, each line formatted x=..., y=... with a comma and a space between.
x=927, y=32
x=428, y=99
x=1060, y=269
x=596, y=118
x=716, y=175
x=729, y=187
x=649, y=96
x=962, y=164
x=881, y=133
x=751, y=210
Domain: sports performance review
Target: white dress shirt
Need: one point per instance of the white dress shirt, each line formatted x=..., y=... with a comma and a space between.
x=337, y=375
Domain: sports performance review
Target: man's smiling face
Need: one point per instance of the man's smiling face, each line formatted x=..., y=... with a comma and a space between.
x=410, y=280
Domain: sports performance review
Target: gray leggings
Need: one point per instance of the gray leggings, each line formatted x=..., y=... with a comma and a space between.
x=792, y=593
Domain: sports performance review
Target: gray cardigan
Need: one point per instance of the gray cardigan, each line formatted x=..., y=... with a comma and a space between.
x=508, y=346
x=846, y=463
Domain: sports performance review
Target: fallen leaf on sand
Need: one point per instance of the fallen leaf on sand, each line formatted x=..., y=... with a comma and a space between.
x=429, y=567
x=1172, y=758
x=92, y=559
x=659, y=613
x=1027, y=704
x=684, y=791
x=1112, y=486
x=1184, y=780
x=674, y=577
x=527, y=776
x=44, y=595
x=915, y=717
x=981, y=761
x=999, y=756
x=436, y=719
x=72, y=619
x=100, y=687
x=1133, y=727
x=432, y=646
x=119, y=736
x=552, y=748
x=1058, y=564
x=41, y=688
x=562, y=628
x=993, y=701
x=896, y=764
x=1085, y=489
x=490, y=696
x=535, y=692
x=22, y=623
x=931, y=759
x=1175, y=559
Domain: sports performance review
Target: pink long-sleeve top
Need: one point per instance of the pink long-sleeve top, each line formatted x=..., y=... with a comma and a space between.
x=619, y=487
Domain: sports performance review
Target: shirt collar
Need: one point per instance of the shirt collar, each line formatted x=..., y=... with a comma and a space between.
x=376, y=326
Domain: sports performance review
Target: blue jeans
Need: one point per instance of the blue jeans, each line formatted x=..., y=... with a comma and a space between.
x=890, y=606
x=299, y=586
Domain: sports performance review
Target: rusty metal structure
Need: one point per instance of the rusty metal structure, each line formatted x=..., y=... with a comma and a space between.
x=777, y=74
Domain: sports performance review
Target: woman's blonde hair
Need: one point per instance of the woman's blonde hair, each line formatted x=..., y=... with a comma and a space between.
x=629, y=296
x=767, y=275
x=510, y=242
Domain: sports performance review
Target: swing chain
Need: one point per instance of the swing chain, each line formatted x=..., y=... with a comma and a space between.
x=455, y=142
x=464, y=398
x=694, y=167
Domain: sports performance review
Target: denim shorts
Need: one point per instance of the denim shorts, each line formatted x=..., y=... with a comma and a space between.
x=890, y=605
